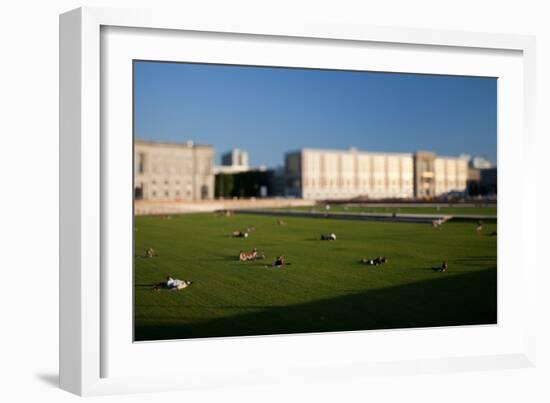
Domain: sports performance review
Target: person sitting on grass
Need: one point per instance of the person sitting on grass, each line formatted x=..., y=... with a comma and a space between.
x=479, y=227
x=328, y=237
x=255, y=254
x=375, y=262
x=443, y=268
x=279, y=262
x=172, y=284
x=150, y=252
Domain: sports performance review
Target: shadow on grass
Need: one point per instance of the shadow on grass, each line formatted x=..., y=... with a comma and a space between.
x=145, y=257
x=225, y=307
x=447, y=300
x=144, y=285
x=323, y=241
x=476, y=259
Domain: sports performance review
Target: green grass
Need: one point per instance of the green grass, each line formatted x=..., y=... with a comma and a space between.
x=324, y=288
x=443, y=210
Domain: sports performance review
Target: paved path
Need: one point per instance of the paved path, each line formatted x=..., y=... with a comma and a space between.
x=412, y=218
x=151, y=207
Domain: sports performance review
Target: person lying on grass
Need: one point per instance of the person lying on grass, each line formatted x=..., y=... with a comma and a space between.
x=443, y=268
x=244, y=256
x=376, y=261
x=328, y=237
x=437, y=223
x=149, y=253
x=240, y=234
x=279, y=262
x=172, y=284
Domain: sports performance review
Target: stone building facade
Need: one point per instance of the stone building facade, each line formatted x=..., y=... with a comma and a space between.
x=173, y=171
x=451, y=175
x=335, y=174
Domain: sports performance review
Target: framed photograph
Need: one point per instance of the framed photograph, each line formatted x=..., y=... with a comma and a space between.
x=252, y=202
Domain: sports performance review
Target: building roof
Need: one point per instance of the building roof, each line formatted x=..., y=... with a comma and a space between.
x=350, y=151
x=188, y=144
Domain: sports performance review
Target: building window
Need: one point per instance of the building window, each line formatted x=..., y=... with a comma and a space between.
x=204, y=192
x=141, y=163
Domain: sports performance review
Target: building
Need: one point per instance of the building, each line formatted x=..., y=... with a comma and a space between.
x=336, y=174
x=233, y=161
x=473, y=182
x=173, y=171
x=482, y=182
x=474, y=174
x=277, y=180
x=236, y=178
x=235, y=157
x=437, y=175
x=482, y=177
x=488, y=180
x=480, y=163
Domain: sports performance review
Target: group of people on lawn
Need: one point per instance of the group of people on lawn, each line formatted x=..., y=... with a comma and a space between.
x=176, y=284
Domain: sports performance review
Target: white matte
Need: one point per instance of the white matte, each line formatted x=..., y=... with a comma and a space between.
x=121, y=46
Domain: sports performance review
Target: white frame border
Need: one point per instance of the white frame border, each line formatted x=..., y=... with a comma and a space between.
x=80, y=165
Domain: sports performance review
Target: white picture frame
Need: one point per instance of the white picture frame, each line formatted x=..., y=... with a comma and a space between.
x=92, y=355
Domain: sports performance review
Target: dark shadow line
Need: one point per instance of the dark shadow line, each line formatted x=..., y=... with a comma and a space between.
x=434, y=302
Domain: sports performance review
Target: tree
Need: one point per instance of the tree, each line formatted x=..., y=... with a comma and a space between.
x=224, y=184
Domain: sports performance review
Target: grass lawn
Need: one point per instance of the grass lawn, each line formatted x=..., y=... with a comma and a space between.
x=324, y=288
x=443, y=210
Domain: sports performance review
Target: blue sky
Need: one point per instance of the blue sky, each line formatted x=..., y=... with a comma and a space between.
x=269, y=111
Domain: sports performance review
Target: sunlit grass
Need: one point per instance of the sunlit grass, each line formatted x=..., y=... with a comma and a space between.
x=324, y=288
